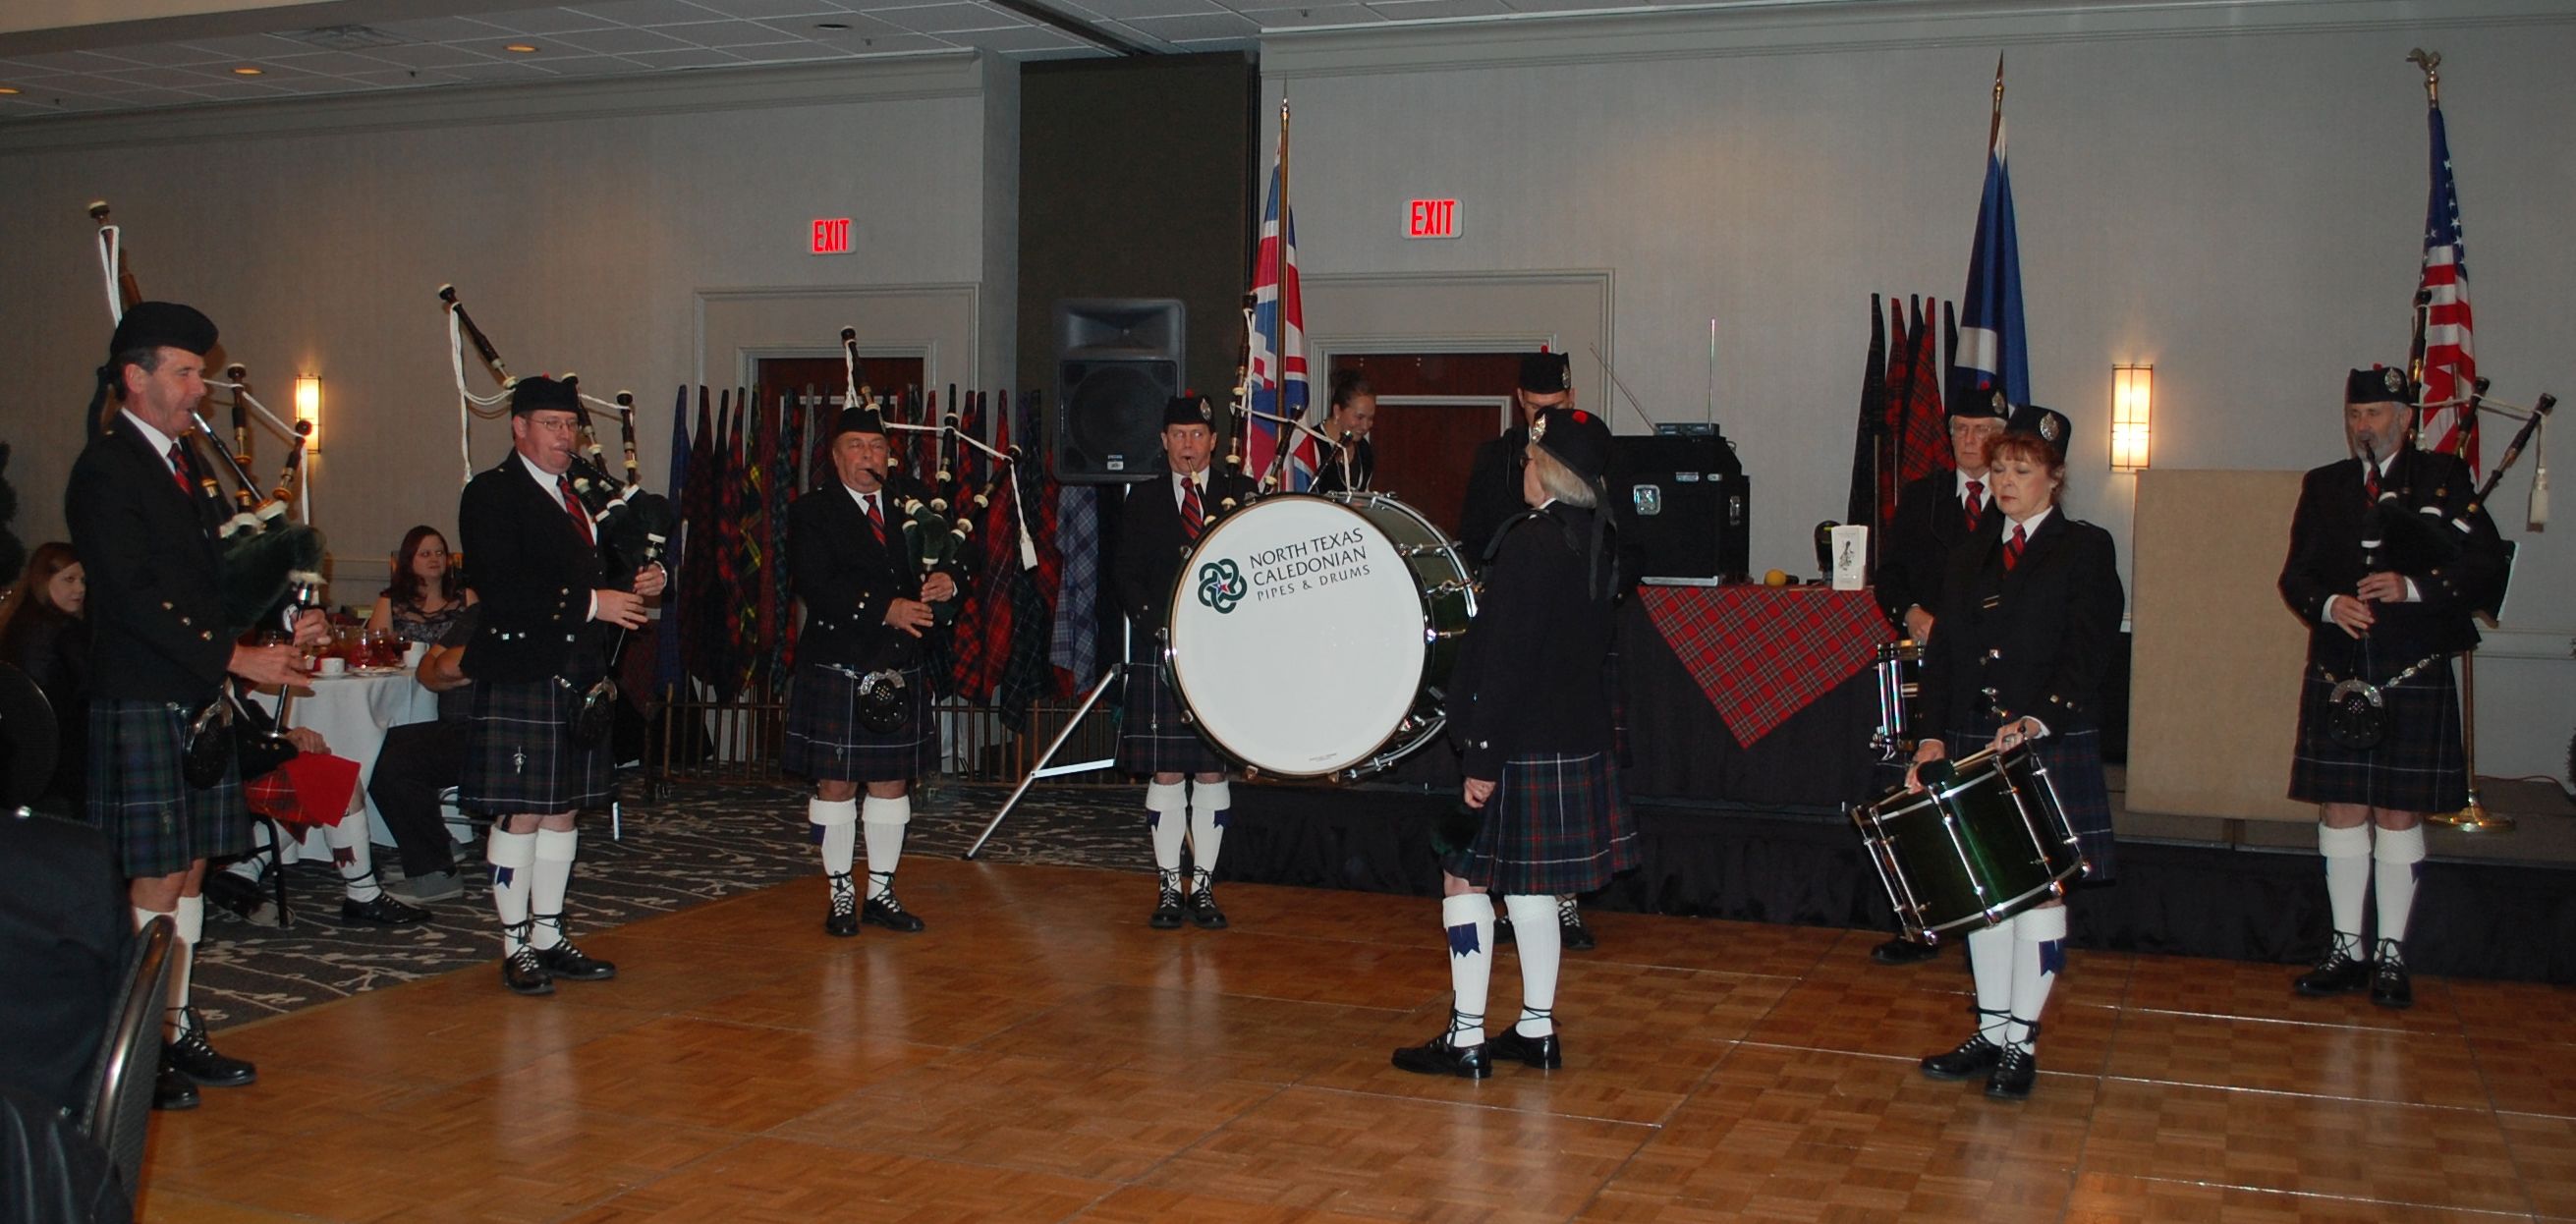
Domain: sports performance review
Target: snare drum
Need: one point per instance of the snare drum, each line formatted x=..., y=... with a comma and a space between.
x=1313, y=636
x=1979, y=847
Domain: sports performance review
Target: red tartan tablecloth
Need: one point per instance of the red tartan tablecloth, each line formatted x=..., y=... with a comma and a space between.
x=1762, y=653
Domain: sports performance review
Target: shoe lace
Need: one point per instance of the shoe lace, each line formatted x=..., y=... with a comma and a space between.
x=1565, y=913
x=2391, y=956
x=845, y=894
x=881, y=891
x=1171, y=890
x=563, y=942
x=518, y=936
x=1202, y=888
x=1460, y=1022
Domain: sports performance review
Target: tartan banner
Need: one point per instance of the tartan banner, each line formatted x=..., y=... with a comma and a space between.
x=1761, y=654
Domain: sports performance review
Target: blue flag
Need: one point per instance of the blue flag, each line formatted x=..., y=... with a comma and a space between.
x=668, y=672
x=1994, y=353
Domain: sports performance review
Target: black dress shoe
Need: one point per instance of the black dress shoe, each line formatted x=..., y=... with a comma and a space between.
x=1570, y=930
x=570, y=963
x=525, y=973
x=2390, y=986
x=171, y=1090
x=842, y=918
x=1203, y=910
x=1503, y=932
x=191, y=1056
x=2337, y=974
x=1509, y=1045
x=383, y=911
x=1438, y=1057
x=889, y=913
x=234, y=894
x=1973, y=1057
x=1903, y=951
x=2014, y=1074
x=1167, y=906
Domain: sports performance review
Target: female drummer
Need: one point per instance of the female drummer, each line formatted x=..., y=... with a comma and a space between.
x=1530, y=706
x=2029, y=611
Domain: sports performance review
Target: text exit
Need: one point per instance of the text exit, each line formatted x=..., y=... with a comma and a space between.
x=1431, y=219
x=832, y=236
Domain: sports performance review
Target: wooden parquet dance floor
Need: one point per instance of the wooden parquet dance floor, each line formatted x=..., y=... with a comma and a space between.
x=1040, y=1054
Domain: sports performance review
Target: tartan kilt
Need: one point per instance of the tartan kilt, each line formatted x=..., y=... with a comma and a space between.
x=138, y=798
x=826, y=742
x=1554, y=824
x=2074, y=763
x=1152, y=738
x=2417, y=768
x=519, y=755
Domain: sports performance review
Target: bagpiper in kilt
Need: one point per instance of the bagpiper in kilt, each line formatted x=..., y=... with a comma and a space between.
x=1186, y=794
x=144, y=516
x=2022, y=640
x=550, y=609
x=2388, y=554
x=1530, y=710
x=859, y=708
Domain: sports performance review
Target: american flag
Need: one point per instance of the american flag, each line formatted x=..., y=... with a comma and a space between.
x=1278, y=337
x=2450, y=364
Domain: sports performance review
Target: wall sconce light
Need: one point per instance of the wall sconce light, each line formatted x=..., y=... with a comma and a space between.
x=308, y=409
x=2133, y=392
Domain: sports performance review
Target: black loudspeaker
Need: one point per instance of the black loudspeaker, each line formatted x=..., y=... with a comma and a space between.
x=1118, y=361
x=1685, y=509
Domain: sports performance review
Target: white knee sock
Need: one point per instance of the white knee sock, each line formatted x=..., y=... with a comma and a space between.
x=2347, y=854
x=351, y=853
x=2039, y=952
x=835, y=825
x=1470, y=919
x=1990, y=965
x=1208, y=804
x=1541, y=947
x=1165, y=805
x=513, y=857
x=883, y=819
x=549, y=881
x=2400, y=858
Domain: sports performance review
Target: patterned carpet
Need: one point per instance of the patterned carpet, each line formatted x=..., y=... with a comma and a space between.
x=703, y=843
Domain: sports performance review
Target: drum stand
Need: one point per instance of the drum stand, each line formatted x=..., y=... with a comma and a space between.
x=1045, y=770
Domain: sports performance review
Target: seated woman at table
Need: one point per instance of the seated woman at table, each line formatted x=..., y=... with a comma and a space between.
x=2030, y=610
x=44, y=632
x=428, y=590
x=300, y=785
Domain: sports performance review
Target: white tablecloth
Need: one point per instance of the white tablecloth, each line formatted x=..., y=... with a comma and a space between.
x=353, y=712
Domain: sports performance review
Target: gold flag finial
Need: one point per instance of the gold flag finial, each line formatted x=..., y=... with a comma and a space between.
x=1996, y=123
x=2431, y=63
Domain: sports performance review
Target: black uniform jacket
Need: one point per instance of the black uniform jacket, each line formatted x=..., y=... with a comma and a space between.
x=2327, y=558
x=847, y=578
x=1493, y=492
x=156, y=605
x=1930, y=521
x=1363, y=467
x=1151, y=547
x=1532, y=674
x=2036, y=641
x=535, y=573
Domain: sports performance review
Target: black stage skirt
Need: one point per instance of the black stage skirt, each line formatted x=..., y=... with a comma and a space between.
x=826, y=742
x=139, y=798
x=1152, y=737
x=2417, y=768
x=519, y=754
x=1554, y=824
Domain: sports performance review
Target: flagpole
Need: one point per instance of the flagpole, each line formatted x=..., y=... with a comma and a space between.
x=1995, y=125
x=1270, y=476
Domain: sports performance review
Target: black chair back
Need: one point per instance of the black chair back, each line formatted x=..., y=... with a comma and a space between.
x=118, y=1116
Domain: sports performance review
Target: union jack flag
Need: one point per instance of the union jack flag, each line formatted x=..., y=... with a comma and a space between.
x=2450, y=364
x=1278, y=338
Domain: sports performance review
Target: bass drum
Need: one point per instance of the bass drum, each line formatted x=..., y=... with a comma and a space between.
x=1313, y=636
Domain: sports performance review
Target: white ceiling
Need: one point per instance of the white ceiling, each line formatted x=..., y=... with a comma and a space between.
x=145, y=64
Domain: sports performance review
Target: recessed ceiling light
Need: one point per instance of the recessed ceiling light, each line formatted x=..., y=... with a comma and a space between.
x=521, y=48
x=8, y=91
x=246, y=70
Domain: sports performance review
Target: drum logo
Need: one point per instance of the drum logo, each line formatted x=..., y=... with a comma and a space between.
x=1221, y=585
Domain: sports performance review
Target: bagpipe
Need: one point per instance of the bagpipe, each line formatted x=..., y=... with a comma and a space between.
x=632, y=526
x=938, y=519
x=272, y=564
x=1275, y=473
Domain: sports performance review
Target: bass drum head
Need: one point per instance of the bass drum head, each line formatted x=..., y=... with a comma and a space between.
x=1297, y=635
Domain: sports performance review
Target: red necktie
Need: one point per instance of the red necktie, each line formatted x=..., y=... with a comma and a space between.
x=876, y=515
x=2012, y=551
x=1976, y=502
x=1193, y=515
x=179, y=467
x=2369, y=484
x=572, y=506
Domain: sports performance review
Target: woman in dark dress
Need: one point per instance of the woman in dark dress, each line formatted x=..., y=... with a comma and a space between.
x=1529, y=705
x=44, y=633
x=2030, y=611
x=428, y=592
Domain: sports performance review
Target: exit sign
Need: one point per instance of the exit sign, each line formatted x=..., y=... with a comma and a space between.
x=832, y=235
x=1431, y=219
